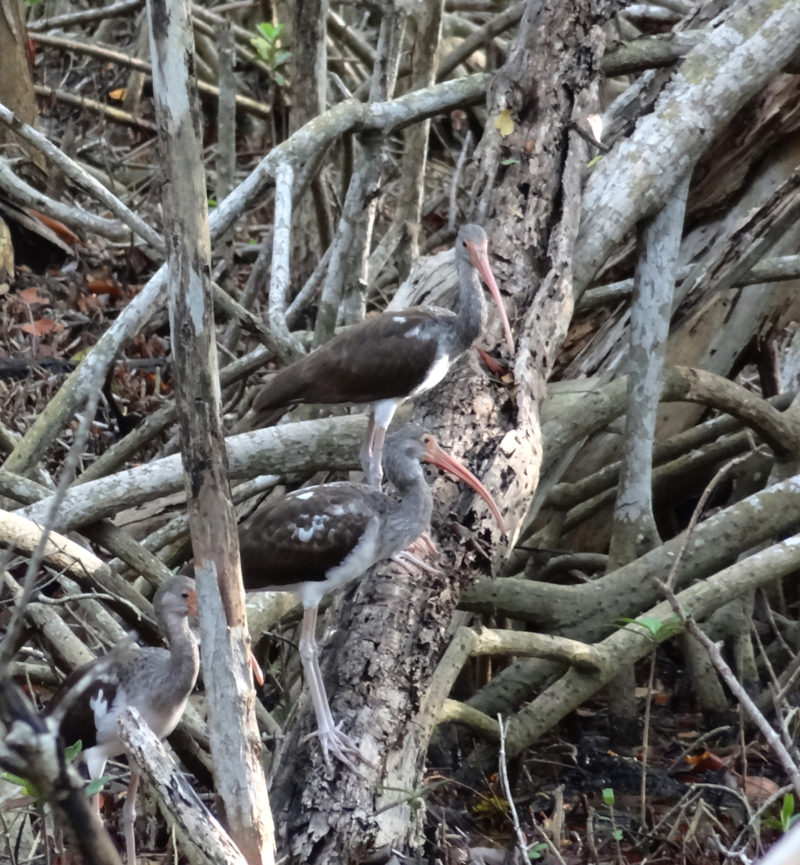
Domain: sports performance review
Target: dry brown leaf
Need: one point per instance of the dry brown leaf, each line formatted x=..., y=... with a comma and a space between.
x=31, y=296
x=42, y=326
x=55, y=225
x=759, y=788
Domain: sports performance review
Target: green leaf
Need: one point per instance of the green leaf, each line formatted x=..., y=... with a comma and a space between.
x=657, y=631
x=261, y=46
x=511, y=160
x=271, y=32
x=537, y=851
x=787, y=810
x=14, y=779
x=617, y=834
x=279, y=79
x=28, y=787
x=281, y=57
x=97, y=785
x=651, y=623
x=72, y=751
x=608, y=796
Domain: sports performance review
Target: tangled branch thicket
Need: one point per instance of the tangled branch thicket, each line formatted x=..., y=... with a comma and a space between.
x=651, y=278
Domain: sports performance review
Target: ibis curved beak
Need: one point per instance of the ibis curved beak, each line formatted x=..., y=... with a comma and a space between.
x=442, y=460
x=479, y=258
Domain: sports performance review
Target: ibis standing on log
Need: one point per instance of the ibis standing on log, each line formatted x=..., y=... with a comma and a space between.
x=398, y=354
x=319, y=538
x=156, y=681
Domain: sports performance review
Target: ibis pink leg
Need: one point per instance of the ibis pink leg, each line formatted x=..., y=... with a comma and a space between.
x=413, y=564
x=331, y=739
x=372, y=450
x=365, y=454
x=95, y=760
x=129, y=817
x=375, y=473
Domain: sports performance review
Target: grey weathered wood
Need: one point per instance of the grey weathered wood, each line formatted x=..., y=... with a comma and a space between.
x=634, y=528
x=235, y=742
x=201, y=837
x=734, y=61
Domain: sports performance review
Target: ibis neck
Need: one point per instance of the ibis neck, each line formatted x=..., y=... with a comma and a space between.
x=412, y=516
x=471, y=306
x=184, y=659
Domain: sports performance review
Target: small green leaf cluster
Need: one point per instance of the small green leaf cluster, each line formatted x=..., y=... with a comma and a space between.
x=787, y=818
x=608, y=800
x=654, y=628
x=30, y=789
x=268, y=49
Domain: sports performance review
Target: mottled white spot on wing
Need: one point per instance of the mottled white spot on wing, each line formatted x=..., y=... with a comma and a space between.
x=318, y=524
x=361, y=557
x=400, y=319
x=304, y=496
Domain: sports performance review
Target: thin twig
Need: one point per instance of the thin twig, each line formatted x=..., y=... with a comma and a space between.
x=68, y=471
x=721, y=665
x=772, y=738
x=591, y=846
x=462, y=160
x=88, y=596
x=522, y=844
x=669, y=583
x=81, y=596
x=646, y=738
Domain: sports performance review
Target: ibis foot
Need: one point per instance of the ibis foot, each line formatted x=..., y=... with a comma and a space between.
x=424, y=546
x=411, y=563
x=336, y=743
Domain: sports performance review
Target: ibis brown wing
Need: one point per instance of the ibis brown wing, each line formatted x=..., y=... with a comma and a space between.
x=382, y=357
x=302, y=536
x=79, y=719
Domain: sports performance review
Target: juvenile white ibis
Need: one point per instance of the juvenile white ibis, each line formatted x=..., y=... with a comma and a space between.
x=156, y=681
x=395, y=355
x=319, y=538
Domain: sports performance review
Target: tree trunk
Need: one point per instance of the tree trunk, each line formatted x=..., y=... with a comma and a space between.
x=16, y=85
x=235, y=742
x=381, y=661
